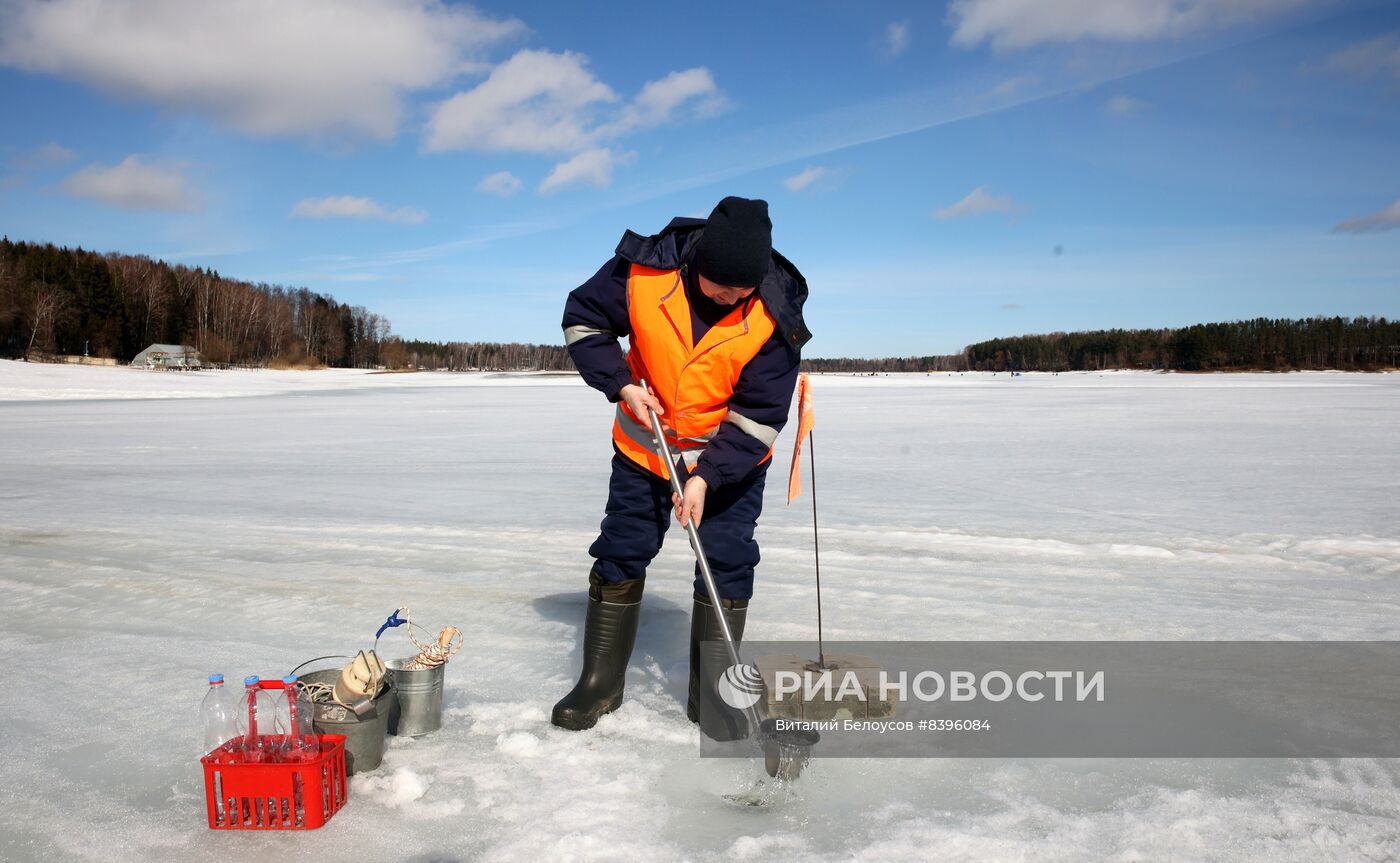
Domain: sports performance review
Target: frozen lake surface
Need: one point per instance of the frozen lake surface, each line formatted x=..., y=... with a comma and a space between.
x=157, y=527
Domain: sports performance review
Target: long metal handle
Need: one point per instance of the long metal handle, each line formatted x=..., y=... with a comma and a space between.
x=664, y=450
x=318, y=659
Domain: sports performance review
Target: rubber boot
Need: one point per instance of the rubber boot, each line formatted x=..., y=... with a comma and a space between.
x=609, y=633
x=718, y=721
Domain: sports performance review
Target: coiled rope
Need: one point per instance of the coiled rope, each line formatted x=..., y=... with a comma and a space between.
x=432, y=655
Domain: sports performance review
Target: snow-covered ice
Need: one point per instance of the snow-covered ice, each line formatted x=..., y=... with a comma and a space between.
x=157, y=527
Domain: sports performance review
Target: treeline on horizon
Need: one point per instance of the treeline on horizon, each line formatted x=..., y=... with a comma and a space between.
x=70, y=301
x=55, y=300
x=1262, y=344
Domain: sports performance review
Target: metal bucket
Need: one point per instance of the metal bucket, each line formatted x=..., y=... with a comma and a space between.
x=420, y=698
x=364, y=734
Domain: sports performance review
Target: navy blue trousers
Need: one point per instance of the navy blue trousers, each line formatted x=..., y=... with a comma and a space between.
x=639, y=511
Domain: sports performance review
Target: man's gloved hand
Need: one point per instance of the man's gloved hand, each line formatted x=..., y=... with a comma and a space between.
x=638, y=400
x=692, y=505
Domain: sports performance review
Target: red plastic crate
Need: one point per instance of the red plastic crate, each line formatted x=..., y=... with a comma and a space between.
x=293, y=796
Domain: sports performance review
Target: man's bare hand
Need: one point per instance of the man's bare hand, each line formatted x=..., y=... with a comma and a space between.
x=638, y=400
x=692, y=505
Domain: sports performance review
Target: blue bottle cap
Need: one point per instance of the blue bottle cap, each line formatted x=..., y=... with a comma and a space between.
x=251, y=681
x=216, y=678
x=289, y=680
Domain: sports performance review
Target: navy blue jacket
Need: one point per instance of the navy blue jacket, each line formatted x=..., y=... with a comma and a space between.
x=595, y=317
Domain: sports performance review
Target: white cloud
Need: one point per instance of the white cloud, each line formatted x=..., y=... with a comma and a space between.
x=535, y=102
x=978, y=202
x=502, y=184
x=350, y=207
x=809, y=175
x=1379, y=57
x=305, y=68
x=659, y=100
x=1125, y=106
x=589, y=168
x=543, y=102
x=1011, y=24
x=49, y=155
x=896, y=38
x=1387, y=219
x=133, y=185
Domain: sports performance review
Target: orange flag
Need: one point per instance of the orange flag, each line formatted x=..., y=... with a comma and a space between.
x=807, y=419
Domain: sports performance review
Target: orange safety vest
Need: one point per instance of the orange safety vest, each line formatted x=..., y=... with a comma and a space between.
x=693, y=382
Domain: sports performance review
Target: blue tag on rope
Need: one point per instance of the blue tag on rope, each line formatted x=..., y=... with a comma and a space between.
x=392, y=620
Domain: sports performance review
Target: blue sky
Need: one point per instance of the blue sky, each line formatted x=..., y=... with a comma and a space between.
x=941, y=173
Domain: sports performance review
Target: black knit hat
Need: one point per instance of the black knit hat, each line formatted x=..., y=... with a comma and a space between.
x=737, y=245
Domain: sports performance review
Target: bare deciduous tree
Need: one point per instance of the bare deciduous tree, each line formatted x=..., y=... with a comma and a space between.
x=49, y=302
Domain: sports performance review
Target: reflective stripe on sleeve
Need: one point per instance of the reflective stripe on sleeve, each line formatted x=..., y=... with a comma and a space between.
x=579, y=331
x=767, y=435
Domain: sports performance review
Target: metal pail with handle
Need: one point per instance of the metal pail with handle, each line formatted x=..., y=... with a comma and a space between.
x=364, y=725
x=420, y=698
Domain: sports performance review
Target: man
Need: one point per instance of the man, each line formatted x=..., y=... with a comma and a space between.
x=713, y=318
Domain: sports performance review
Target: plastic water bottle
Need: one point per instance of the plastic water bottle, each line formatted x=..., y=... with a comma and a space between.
x=273, y=725
x=251, y=716
x=301, y=740
x=219, y=713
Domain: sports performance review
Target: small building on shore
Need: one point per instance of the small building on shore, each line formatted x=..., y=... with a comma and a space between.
x=167, y=357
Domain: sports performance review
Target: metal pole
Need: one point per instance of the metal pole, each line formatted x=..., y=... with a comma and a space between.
x=664, y=450
x=816, y=549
